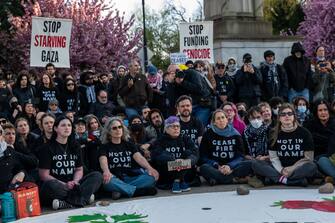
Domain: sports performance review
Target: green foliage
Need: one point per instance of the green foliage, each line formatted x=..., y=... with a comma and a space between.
x=162, y=32
x=285, y=15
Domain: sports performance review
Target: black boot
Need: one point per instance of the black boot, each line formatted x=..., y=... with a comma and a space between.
x=145, y=192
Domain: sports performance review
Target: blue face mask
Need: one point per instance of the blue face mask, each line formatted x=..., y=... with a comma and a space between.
x=302, y=109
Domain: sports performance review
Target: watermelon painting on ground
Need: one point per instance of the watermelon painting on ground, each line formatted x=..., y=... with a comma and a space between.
x=297, y=205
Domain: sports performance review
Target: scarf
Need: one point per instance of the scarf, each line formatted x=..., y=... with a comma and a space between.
x=90, y=94
x=256, y=140
x=229, y=131
x=273, y=76
x=3, y=147
x=232, y=69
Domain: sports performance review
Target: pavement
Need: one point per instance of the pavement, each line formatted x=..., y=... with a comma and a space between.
x=204, y=188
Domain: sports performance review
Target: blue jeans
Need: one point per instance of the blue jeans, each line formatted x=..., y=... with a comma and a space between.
x=292, y=94
x=128, y=185
x=201, y=113
x=327, y=166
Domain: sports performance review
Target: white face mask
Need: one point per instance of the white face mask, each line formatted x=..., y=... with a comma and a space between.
x=275, y=111
x=256, y=123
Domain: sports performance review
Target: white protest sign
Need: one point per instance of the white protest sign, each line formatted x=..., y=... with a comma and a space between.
x=50, y=42
x=196, y=40
x=178, y=58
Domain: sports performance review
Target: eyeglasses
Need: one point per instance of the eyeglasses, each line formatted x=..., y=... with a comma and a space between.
x=53, y=104
x=116, y=127
x=174, y=126
x=70, y=84
x=3, y=121
x=282, y=114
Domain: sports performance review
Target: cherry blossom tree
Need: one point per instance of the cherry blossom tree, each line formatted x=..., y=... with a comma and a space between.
x=319, y=26
x=101, y=36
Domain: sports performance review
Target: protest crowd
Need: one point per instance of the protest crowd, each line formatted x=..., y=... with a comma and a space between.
x=124, y=133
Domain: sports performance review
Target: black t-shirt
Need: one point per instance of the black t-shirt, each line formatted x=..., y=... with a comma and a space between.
x=120, y=157
x=220, y=149
x=61, y=160
x=290, y=146
x=193, y=129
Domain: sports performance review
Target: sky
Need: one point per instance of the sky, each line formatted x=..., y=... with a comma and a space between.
x=129, y=6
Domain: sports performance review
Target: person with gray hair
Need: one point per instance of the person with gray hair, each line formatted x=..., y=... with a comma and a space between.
x=172, y=146
x=118, y=158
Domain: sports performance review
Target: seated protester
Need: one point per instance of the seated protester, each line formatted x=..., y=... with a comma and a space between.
x=267, y=114
x=47, y=124
x=119, y=160
x=5, y=94
x=94, y=129
x=327, y=163
x=61, y=171
x=81, y=136
x=221, y=153
x=15, y=109
x=9, y=134
x=189, y=125
x=70, y=98
x=275, y=103
x=172, y=146
x=138, y=136
x=53, y=107
x=120, y=112
x=291, y=152
x=145, y=116
x=29, y=113
x=301, y=106
x=102, y=105
x=38, y=128
x=255, y=136
x=24, y=147
x=22, y=88
x=242, y=111
x=156, y=127
x=322, y=127
x=70, y=115
x=12, y=171
x=231, y=113
x=47, y=92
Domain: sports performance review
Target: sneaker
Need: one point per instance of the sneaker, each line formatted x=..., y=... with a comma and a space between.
x=184, y=187
x=91, y=200
x=255, y=182
x=60, y=204
x=176, y=187
x=297, y=182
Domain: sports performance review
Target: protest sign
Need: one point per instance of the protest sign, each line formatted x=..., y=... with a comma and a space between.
x=50, y=42
x=196, y=40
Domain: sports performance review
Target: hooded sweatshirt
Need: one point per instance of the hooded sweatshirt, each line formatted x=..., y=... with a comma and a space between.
x=298, y=70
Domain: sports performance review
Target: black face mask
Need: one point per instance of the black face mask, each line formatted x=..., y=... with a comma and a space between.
x=136, y=127
x=242, y=113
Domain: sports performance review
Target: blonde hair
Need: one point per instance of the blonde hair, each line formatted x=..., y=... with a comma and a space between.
x=105, y=135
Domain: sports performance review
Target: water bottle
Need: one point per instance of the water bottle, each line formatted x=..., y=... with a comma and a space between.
x=8, y=207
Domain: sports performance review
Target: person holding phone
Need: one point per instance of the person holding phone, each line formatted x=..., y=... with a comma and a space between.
x=248, y=80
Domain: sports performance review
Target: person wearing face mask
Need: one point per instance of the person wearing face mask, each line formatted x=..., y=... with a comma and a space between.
x=231, y=67
x=138, y=135
x=275, y=104
x=301, y=106
x=255, y=136
x=299, y=73
x=225, y=85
